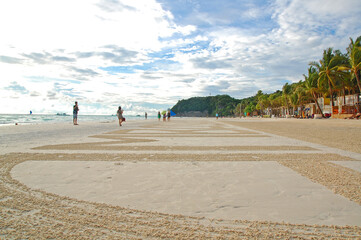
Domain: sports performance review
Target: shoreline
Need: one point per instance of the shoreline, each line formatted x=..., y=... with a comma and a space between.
x=27, y=119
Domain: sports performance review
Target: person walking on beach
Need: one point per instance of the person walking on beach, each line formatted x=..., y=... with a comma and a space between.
x=146, y=115
x=168, y=115
x=159, y=115
x=120, y=115
x=75, y=113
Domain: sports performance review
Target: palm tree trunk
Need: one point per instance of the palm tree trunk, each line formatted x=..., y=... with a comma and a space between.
x=331, y=95
x=358, y=81
x=287, y=108
x=318, y=106
x=359, y=87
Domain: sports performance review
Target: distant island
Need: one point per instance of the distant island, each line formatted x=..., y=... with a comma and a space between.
x=224, y=105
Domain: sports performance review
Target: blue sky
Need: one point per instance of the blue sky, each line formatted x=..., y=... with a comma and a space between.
x=145, y=55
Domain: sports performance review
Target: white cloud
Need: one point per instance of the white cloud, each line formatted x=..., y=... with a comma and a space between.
x=82, y=25
x=107, y=53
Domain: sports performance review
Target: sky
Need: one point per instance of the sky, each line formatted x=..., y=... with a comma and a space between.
x=145, y=55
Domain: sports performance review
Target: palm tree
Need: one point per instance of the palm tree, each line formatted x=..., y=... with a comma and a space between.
x=354, y=65
x=286, y=92
x=328, y=68
x=294, y=99
x=262, y=103
x=275, y=102
x=311, y=85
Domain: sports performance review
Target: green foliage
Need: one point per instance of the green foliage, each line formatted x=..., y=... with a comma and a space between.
x=354, y=61
x=250, y=108
x=251, y=102
x=224, y=105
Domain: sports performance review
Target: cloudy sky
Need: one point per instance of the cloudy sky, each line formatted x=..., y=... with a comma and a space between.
x=145, y=55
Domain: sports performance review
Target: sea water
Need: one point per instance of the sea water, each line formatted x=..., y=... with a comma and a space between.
x=11, y=119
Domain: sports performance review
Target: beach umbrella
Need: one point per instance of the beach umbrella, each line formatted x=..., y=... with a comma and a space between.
x=164, y=112
x=172, y=113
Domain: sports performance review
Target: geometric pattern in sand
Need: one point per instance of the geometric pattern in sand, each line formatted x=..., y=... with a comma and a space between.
x=234, y=190
x=174, y=179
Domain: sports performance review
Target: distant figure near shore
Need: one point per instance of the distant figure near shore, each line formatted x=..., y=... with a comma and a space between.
x=120, y=115
x=75, y=113
x=216, y=115
x=146, y=115
x=168, y=115
x=159, y=115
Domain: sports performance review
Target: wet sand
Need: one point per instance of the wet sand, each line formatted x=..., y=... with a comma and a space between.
x=187, y=178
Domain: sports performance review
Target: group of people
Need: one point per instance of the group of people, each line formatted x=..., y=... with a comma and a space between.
x=166, y=115
x=76, y=110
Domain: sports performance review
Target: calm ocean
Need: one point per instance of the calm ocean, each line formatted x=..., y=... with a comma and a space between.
x=11, y=119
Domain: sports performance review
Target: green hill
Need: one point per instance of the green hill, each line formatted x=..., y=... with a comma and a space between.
x=224, y=105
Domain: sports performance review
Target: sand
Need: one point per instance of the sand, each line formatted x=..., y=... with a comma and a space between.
x=188, y=178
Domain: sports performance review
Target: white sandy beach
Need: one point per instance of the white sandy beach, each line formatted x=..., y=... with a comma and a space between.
x=228, y=170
